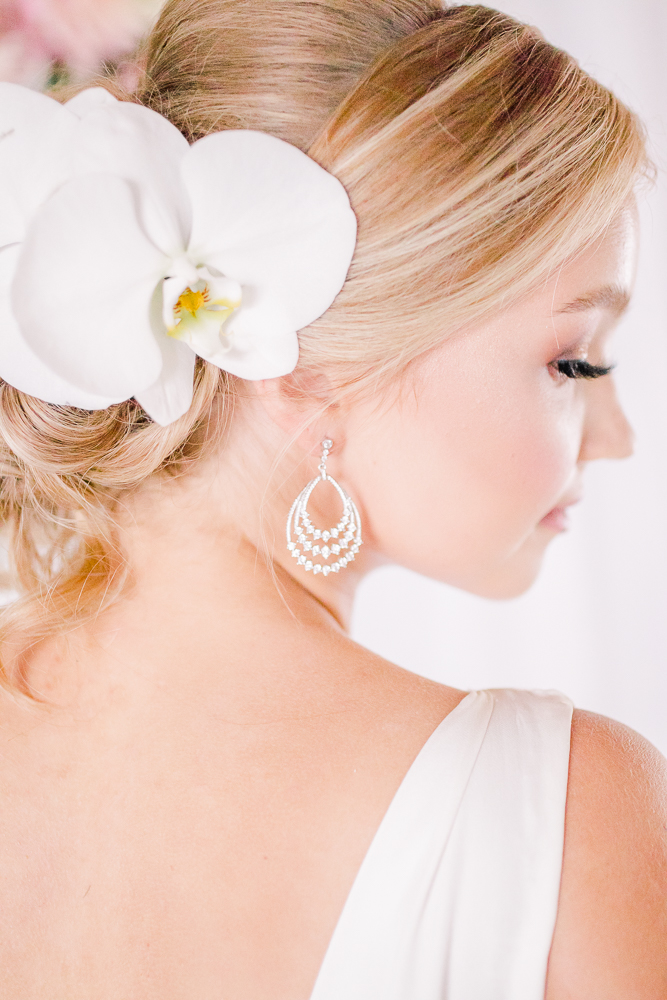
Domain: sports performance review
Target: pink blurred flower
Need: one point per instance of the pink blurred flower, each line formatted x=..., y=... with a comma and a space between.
x=81, y=34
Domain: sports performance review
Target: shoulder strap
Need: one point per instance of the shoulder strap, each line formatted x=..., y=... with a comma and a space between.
x=457, y=895
x=507, y=850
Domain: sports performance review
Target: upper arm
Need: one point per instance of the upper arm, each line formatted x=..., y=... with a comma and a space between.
x=610, y=941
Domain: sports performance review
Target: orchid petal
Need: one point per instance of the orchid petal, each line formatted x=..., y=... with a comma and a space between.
x=268, y=216
x=84, y=285
x=144, y=148
x=90, y=100
x=20, y=366
x=35, y=140
x=259, y=341
x=170, y=397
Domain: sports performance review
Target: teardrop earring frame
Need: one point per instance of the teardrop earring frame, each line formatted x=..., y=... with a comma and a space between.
x=345, y=536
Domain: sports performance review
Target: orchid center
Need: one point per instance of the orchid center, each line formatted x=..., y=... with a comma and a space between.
x=192, y=301
x=201, y=311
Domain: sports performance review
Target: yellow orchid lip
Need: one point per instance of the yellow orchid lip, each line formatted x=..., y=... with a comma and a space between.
x=195, y=308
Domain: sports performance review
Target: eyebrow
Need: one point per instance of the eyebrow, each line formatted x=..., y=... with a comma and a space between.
x=611, y=297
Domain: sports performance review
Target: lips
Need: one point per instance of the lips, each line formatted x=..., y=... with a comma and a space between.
x=558, y=518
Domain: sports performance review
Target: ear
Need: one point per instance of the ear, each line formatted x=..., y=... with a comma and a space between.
x=303, y=406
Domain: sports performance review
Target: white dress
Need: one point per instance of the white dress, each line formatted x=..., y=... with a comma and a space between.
x=456, y=898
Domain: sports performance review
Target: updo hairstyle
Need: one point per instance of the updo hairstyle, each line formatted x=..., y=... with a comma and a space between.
x=477, y=158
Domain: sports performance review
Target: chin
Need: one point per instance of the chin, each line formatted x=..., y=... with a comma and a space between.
x=509, y=580
x=505, y=589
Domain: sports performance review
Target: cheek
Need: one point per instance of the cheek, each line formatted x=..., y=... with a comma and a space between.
x=454, y=480
x=527, y=455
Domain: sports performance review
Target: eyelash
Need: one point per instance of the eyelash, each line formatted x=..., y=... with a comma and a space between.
x=577, y=368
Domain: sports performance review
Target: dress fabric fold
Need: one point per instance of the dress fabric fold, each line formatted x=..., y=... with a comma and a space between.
x=456, y=898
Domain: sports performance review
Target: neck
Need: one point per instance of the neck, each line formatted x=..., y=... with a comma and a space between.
x=210, y=580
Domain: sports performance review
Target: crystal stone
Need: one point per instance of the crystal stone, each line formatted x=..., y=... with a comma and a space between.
x=326, y=570
x=326, y=551
x=309, y=565
x=317, y=568
x=326, y=536
x=335, y=549
x=316, y=550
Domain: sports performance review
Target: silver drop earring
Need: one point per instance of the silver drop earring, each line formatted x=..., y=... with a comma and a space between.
x=309, y=542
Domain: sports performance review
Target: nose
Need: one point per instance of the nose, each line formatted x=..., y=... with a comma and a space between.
x=606, y=433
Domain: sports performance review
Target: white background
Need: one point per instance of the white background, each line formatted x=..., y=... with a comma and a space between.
x=595, y=624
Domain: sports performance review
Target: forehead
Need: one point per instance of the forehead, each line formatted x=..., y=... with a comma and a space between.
x=600, y=276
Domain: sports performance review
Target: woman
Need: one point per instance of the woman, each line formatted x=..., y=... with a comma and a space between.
x=208, y=789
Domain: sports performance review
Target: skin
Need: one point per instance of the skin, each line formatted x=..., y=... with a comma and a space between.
x=187, y=816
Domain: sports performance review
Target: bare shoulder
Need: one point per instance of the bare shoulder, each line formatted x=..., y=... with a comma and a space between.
x=611, y=932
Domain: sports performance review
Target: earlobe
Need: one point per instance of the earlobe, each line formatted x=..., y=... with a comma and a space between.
x=301, y=405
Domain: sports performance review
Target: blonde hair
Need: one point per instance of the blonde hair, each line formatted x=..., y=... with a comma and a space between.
x=476, y=156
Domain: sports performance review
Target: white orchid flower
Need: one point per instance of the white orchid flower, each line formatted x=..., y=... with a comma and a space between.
x=125, y=252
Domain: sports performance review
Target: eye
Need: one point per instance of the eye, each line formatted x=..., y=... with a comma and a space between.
x=578, y=368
